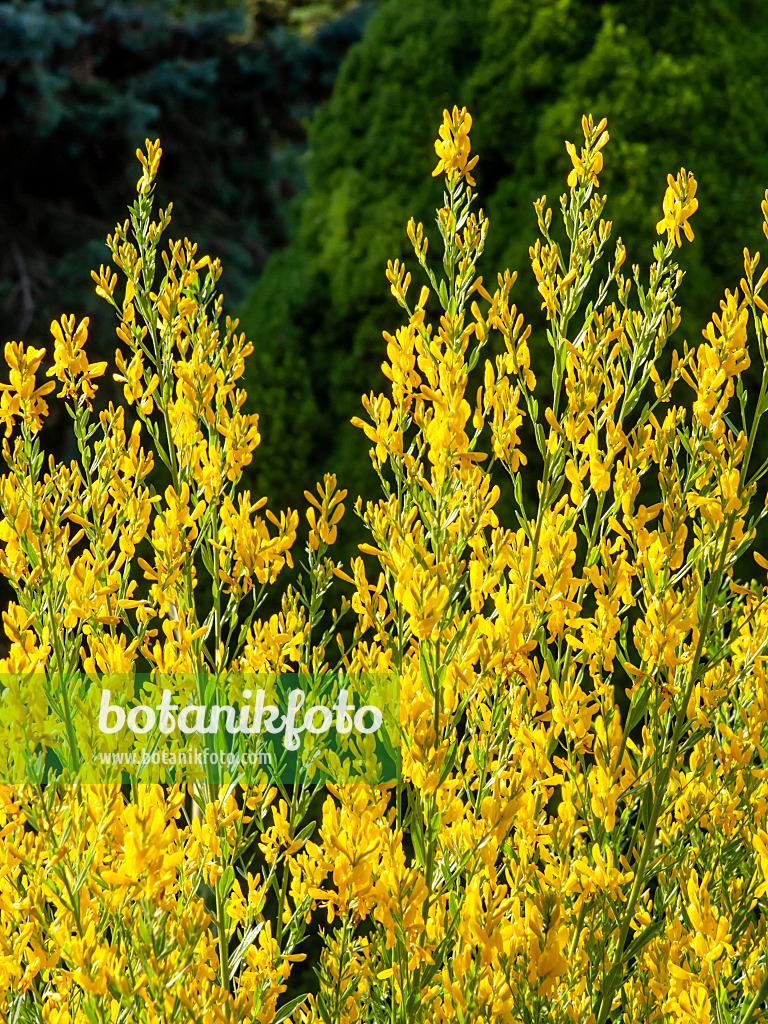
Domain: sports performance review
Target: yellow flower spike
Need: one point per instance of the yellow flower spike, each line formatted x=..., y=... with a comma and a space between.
x=71, y=365
x=679, y=205
x=453, y=147
x=20, y=397
x=588, y=164
x=106, y=280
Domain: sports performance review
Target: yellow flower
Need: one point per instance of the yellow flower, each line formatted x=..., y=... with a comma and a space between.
x=580, y=167
x=712, y=931
x=20, y=397
x=679, y=205
x=589, y=164
x=453, y=146
x=323, y=528
x=71, y=364
x=548, y=935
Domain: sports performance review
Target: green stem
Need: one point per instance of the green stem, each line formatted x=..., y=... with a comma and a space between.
x=537, y=530
x=577, y=930
x=221, y=927
x=284, y=881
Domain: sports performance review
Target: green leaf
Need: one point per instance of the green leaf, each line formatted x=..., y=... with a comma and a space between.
x=245, y=943
x=639, y=707
x=541, y=442
x=417, y=838
x=424, y=669
x=646, y=805
x=435, y=823
x=450, y=760
x=611, y=983
x=286, y=1010
x=306, y=832
x=226, y=880
x=640, y=941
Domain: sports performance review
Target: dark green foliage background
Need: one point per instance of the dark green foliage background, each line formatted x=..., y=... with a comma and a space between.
x=82, y=84
x=681, y=84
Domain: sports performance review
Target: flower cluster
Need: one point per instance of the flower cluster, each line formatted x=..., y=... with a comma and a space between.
x=680, y=203
x=453, y=147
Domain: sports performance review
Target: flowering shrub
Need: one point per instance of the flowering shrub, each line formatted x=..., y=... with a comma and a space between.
x=560, y=845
